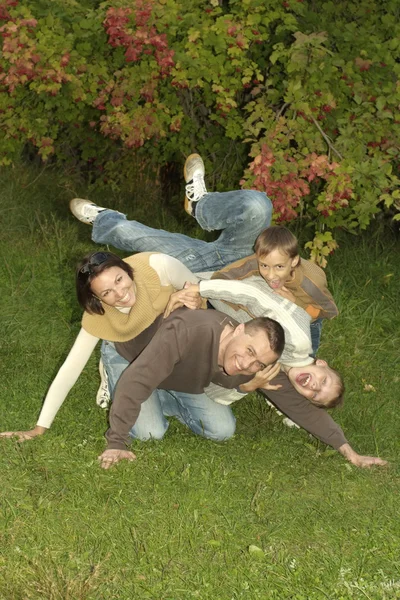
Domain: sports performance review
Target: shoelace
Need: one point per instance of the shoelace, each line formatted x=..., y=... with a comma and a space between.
x=196, y=189
x=103, y=396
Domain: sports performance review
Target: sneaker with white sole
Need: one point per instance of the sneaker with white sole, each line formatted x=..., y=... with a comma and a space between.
x=193, y=172
x=103, y=398
x=84, y=210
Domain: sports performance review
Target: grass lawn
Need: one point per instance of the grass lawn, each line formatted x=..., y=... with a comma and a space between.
x=270, y=514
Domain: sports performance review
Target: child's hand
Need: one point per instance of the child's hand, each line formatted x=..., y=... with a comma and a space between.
x=285, y=293
x=189, y=296
x=262, y=379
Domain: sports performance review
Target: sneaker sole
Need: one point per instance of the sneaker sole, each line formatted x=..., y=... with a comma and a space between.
x=187, y=204
x=72, y=209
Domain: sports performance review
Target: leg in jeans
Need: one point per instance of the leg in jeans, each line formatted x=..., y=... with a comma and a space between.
x=240, y=215
x=151, y=423
x=113, y=363
x=315, y=328
x=201, y=414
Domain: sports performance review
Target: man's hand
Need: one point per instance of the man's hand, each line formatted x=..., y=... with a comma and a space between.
x=109, y=458
x=360, y=461
x=189, y=296
x=22, y=436
x=262, y=379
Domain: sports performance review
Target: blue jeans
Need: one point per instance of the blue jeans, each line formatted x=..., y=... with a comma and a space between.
x=202, y=415
x=315, y=328
x=240, y=216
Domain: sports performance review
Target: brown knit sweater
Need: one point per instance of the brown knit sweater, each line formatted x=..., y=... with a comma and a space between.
x=308, y=285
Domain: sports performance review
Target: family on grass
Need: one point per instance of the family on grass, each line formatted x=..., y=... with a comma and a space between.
x=189, y=327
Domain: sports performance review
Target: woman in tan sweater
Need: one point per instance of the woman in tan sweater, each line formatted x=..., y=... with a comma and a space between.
x=122, y=298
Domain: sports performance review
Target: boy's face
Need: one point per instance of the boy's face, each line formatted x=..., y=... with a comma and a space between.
x=317, y=382
x=276, y=268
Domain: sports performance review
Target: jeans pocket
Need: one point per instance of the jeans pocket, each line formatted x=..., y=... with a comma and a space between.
x=196, y=261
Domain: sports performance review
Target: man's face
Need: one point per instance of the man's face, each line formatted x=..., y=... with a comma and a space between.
x=246, y=354
x=276, y=268
x=317, y=382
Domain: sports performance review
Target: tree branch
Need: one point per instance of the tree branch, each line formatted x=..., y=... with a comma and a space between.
x=326, y=138
x=281, y=110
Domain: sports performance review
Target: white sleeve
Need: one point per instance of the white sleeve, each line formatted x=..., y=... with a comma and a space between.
x=294, y=320
x=66, y=377
x=171, y=271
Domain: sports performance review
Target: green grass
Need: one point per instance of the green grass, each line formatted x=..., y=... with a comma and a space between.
x=183, y=520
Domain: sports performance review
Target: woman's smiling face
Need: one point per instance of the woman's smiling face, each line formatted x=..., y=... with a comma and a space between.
x=115, y=288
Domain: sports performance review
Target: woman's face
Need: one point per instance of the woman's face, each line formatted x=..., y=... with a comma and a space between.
x=114, y=287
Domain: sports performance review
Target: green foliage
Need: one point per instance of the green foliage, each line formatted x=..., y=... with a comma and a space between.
x=311, y=92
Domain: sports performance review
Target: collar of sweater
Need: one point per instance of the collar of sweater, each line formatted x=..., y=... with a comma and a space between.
x=151, y=299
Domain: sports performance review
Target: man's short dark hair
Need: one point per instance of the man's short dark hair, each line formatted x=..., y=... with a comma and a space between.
x=272, y=329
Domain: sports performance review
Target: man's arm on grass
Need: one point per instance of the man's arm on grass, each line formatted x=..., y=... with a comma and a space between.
x=135, y=385
x=315, y=420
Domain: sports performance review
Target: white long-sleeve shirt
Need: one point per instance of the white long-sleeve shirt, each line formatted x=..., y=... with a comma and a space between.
x=255, y=295
x=171, y=272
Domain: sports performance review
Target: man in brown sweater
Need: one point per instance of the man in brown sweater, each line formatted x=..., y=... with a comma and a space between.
x=185, y=353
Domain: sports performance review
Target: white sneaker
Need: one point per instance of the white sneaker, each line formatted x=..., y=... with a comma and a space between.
x=103, y=398
x=194, y=176
x=286, y=421
x=84, y=210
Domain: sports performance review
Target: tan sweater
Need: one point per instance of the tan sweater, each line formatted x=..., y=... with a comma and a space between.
x=169, y=272
x=151, y=300
x=308, y=285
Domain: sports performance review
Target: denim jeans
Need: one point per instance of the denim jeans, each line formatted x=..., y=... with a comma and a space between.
x=315, y=328
x=240, y=216
x=202, y=415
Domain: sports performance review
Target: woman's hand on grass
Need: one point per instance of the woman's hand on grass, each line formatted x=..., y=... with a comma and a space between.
x=189, y=296
x=23, y=436
x=111, y=457
x=262, y=380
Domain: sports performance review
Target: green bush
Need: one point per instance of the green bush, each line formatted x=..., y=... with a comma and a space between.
x=310, y=92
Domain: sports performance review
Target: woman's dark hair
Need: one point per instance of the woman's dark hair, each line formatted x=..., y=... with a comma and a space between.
x=88, y=269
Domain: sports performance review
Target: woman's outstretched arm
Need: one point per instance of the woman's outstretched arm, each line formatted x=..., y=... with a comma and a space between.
x=62, y=384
